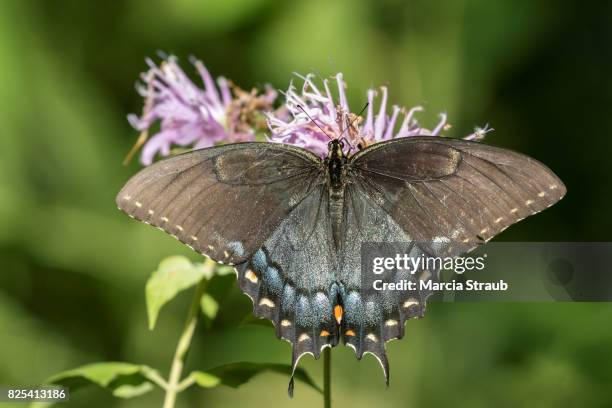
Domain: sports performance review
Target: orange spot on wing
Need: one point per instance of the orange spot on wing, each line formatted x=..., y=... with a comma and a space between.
x=324, y=333
x=250, y=275
x=338, y=313
x=349, y=332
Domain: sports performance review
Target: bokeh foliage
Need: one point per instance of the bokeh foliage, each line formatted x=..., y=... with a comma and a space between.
x=73, y=267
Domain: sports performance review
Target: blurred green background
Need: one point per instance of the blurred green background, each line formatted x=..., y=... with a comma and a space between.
x=73, y=267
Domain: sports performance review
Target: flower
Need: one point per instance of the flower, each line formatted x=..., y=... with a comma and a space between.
x=315, y=117
x=194, y=116
x=220, y=112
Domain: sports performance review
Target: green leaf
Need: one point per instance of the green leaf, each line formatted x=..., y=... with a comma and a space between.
x=123, y=380
x=236, y=374
x=129, y=391
x=209, y=306
x=205, y=380
x=223, y=270
x=174, y=274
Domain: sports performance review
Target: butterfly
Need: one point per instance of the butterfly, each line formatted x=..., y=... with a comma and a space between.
x=292, y=223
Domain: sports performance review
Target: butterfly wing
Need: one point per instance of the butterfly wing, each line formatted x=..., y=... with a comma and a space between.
x=451, y=194
x=263, y=208
x=442, y=197
x=223, y=201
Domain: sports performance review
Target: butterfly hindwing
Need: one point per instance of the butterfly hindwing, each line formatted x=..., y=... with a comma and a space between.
x=291, y=280
x=371, y=317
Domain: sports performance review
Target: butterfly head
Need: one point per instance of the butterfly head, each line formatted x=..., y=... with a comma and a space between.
x=335, y=148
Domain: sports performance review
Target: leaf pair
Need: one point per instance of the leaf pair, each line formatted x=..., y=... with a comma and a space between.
x=126, y=380
x=123, y=380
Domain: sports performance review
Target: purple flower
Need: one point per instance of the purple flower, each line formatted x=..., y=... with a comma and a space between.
x=191, y=116
x=196, y=117
x=315, y=117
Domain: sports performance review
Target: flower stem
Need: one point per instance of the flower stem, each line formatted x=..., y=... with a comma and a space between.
x=327, y=377
x=183, y=346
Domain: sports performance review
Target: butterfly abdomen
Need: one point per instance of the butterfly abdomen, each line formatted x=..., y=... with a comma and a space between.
x=336, y=171
x=336, y=211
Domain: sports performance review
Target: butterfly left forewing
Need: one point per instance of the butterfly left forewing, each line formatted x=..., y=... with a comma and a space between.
x=222, y=201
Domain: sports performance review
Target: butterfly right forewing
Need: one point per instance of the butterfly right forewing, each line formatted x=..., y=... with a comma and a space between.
x=453, y=192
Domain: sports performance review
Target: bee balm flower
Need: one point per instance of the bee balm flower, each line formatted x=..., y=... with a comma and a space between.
x=195, y=117
x=191, y=116
x=315, y=115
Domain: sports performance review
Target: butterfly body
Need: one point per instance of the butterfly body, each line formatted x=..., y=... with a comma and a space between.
x=335, y=163
x=292, y=224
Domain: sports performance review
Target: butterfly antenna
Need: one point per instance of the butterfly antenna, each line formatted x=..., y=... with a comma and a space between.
x=356, y=117
x=313, y=121
x=349, y=124
x=361, y=111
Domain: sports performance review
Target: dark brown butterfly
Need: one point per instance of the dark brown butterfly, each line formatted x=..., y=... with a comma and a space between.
x=292, y=223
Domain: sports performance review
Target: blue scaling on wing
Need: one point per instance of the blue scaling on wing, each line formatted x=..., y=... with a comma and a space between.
x=291, y=278
x=372, y=318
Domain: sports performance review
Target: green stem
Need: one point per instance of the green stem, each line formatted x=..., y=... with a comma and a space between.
x=183, y=346
x=327, y=377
